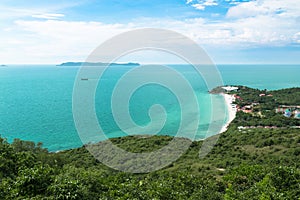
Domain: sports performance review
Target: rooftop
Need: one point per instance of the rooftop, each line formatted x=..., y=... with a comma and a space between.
x=229, y=88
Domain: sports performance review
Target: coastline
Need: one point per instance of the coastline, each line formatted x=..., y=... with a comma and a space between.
x=231, y=111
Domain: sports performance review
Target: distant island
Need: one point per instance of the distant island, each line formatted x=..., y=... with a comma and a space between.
x=3, y=66
x=97, y=64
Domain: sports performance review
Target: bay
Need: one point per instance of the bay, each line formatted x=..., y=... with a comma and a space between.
x=36, y=101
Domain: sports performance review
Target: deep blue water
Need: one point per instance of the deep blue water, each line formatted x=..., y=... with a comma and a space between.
x=36, y=101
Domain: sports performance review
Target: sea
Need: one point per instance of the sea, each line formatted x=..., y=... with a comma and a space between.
x=37, y=101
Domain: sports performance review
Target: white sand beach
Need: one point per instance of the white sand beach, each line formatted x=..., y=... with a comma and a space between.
x=231, y=110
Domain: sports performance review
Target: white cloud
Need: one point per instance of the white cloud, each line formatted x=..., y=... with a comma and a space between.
x=262, y=30
x=189, y=1
x=48, y=16
x=49, y=41
x=9, y=12
x=264, y=22
x=199, y=6
x=255, y=24
x=17, y=12
x=247, y=9
x=210, y=3
x=296, y=38
x=265, y=7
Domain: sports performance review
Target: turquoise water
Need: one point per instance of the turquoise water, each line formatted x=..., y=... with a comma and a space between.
x=36, y=101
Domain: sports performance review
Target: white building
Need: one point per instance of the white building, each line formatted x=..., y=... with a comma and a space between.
x=230, y=88
x=297, y=114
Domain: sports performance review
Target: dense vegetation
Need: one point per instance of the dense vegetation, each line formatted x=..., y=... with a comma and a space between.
x=289, y=96
x=250, y=164
x=255, y=163
x=267, y=119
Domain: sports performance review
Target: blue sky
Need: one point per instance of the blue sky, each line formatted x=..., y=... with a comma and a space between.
x=231, y=31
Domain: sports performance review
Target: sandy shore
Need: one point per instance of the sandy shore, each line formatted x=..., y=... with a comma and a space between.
x=231, y=111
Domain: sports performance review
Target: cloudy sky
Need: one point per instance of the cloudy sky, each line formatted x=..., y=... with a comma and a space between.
x=231, y=31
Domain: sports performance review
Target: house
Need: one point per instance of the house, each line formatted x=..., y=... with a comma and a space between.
x=237, y=97
x=247, y=109
x=230, y=88
x=287, y=113
x=297, y=114
x=282, y=108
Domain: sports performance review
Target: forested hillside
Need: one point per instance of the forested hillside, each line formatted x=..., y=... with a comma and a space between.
x=252, y=164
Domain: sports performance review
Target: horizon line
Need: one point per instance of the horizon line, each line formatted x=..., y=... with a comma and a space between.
x=147, y=63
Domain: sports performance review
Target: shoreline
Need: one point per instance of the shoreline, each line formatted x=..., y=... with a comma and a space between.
x=231, y=111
